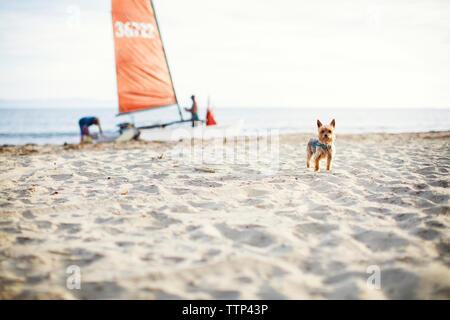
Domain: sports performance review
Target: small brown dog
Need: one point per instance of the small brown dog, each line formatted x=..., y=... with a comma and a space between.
x=323, y=147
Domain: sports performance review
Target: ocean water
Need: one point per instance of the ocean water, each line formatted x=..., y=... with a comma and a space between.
x=56, y=126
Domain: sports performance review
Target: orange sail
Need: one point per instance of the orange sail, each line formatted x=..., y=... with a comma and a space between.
x=143, y=76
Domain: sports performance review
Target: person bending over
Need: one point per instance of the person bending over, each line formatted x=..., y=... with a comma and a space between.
x=85, y=123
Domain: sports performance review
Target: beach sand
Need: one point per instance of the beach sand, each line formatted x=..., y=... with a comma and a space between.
x=141, y=222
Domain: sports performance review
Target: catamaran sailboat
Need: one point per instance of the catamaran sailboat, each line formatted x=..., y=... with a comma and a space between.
x=144, y=81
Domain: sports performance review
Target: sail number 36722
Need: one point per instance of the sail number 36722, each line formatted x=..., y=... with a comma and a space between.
x=134, y=30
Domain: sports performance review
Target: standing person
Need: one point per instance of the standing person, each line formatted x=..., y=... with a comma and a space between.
x=193, y=110
x=85, y=123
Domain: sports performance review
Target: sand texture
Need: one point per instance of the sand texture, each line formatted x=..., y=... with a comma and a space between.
x=143, y=224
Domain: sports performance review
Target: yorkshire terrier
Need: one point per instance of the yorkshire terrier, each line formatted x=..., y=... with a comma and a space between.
x=323, y=147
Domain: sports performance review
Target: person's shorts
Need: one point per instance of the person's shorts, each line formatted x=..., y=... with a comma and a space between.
x=194, y=117
x=82, y=126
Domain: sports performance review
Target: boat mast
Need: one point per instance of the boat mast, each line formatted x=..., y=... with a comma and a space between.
x=115, y=59
x=167, y=62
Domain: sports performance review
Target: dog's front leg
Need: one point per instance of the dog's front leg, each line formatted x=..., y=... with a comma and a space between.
x=316, y=163
x=308, y=159
x=329, y=161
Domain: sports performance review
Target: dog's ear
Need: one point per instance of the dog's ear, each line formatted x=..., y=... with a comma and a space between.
x=319, y=124
x=333, y=123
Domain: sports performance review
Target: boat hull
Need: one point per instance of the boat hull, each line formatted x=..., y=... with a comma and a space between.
x=127, y=134
x=188, y=132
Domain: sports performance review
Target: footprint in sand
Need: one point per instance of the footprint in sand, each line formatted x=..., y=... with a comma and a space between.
x=111, y=221
x=146, y=189
x=266, y=292
x=159, y=176
x=427, y=234
x=439, y=210
x=376, y=240
x=99, y=291
x=435, y=224
x=345, y=291
x=399, y=284
x=92, y=175
x=208, y=205
x=44, y=224
x=61, y=177
x=125, y=243
x=256, y=193
x=314, y=228
x=440, y=183
x=11, y=230
x=28, y=215
x=162, y=295
x=245, y=280
x=163, y=219
x=69, y=227
x=79, y=164
x=81, y=257
x=249, y=235
x=35, y=279
x=27, y=240
x=405, y=216
x=181, y=191
x=202, y=183
x=225, y=294
x=344, y=277
x=426, y=170
x=181, y=209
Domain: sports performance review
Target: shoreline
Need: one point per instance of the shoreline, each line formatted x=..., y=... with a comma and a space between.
x=32, y=148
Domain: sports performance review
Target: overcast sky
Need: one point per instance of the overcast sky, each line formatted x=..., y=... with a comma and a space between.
x=286, y=53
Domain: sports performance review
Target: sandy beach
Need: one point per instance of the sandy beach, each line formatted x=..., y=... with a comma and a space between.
x=142, y=222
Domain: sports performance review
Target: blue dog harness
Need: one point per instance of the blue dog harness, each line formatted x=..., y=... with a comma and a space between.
x=317, y=144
